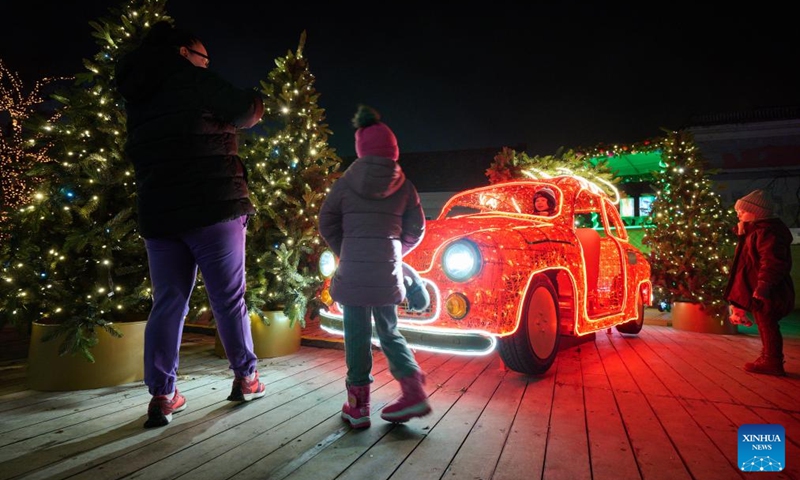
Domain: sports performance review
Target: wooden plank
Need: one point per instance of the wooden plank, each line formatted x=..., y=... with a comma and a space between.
x=424, y=449
x=227, y=449
x=349, y=448
x=719, y=386
x=525, y=447
x=38, y=406
x=663, y=403
x=344, y=454
x=654, y=451
x=280, y=451
x=122, y=403
x=240, y=423
x=191, y=358
x=201, y=447
x=639, y=369
x=85, y=422
x=481, y=450
x=697, y=452
x=781, y=392
x=716, y=365
x=672, y=373
x=716, y=426
x=610, y=450
x=567, y=454
x=203, y=415
x=723, y=354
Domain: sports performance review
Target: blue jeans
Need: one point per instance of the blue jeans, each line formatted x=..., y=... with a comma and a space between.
x=218, y=250
x=358, y=343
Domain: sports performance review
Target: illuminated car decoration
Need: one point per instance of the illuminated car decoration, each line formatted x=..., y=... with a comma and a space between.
x=501, y=277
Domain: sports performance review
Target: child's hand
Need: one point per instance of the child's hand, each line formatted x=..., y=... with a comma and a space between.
x=737, y=316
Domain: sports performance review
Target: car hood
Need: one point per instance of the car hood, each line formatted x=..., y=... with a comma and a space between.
x=480, y=228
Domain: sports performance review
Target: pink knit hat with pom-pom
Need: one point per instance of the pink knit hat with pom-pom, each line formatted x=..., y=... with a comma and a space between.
x=373, y=137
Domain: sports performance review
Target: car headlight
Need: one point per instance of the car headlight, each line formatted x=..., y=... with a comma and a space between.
x=327, y=263
x=461, y=261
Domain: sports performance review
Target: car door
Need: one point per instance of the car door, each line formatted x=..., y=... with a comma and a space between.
x=612, y=279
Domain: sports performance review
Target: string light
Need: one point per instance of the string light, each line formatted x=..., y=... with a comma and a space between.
x=15, y=157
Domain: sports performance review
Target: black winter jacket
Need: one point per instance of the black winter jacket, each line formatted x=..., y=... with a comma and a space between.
x=182, y=122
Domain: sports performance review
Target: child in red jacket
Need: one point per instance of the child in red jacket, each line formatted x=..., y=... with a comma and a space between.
x=760, y=281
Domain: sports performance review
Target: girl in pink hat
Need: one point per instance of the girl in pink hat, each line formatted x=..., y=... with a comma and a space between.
x=372, y=218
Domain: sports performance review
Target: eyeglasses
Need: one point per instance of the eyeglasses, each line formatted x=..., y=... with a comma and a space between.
x=208, y=60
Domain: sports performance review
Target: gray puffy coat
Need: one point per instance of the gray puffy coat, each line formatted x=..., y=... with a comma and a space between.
x=371, y=218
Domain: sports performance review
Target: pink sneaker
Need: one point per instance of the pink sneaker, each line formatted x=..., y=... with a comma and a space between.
x=244, y=391
x=161, y=408
x=411, y=404
x=356, y=410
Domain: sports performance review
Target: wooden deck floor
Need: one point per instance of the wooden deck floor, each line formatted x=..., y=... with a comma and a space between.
x=665, y=404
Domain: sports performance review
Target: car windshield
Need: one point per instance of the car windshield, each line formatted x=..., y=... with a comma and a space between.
x=517, y=198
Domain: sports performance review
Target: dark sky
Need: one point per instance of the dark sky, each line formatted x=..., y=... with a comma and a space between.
x=455, y=77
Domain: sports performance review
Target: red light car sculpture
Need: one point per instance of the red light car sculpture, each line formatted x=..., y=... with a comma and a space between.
x=501, y=277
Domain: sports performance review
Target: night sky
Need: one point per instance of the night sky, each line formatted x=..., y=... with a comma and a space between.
x=456, y=77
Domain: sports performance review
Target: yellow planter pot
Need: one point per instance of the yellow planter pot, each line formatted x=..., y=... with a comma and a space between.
x=691, y=317
x=274, y=340
x=117, y=360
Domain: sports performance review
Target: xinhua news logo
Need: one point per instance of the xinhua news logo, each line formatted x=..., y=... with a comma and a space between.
x=762, y=448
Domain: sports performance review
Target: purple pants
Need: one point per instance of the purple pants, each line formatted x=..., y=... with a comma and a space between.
x=219, y=252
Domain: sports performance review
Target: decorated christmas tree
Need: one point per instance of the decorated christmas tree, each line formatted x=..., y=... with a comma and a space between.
x=74, y=257
x=290, y=169
x=689, y=233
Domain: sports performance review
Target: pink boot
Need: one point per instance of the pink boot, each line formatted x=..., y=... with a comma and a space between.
x=356, y=410
x=413, y=403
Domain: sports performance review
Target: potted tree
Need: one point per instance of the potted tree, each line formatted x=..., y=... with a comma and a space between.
x=290, y=168
x=74, y=266
x=691, y=241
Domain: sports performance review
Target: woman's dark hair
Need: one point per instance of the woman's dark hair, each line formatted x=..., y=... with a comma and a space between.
x=164, y=34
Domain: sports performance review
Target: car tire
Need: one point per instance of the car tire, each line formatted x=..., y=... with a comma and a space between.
x=533, y=347
x=634, y=326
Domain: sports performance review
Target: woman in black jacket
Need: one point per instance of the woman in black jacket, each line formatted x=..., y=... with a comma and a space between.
x=193, y=203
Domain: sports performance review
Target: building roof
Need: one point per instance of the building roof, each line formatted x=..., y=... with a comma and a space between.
x=746, y=116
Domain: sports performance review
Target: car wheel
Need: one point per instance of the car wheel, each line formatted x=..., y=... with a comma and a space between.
x=634, y=326
x=533, y=347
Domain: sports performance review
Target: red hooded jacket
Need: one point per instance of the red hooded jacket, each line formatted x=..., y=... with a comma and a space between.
x=763, y=263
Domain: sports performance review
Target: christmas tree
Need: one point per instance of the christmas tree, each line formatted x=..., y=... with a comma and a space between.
x=290, y=170
x=689, y=232
x=74, y=257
